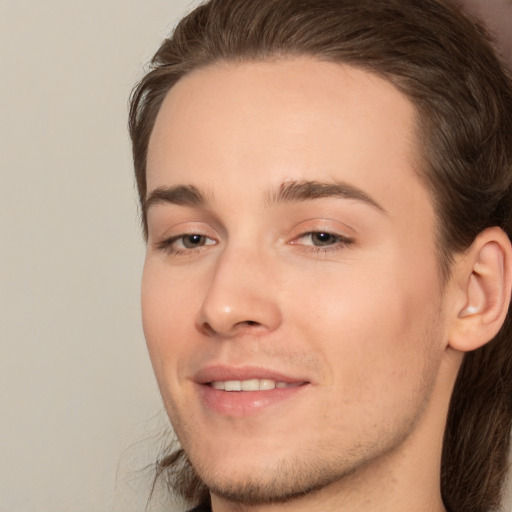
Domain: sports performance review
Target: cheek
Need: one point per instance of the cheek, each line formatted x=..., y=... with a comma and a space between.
x=374, y=327
x=380, y=359
x=165, y=303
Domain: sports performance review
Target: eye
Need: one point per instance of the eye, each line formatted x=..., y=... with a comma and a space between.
x=187, y=242
x=192, y=241
x=322, y=239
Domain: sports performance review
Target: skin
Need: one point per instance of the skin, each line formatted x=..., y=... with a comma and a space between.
x=359, y=316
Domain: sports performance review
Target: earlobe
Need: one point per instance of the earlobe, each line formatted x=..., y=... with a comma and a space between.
x=486, y=282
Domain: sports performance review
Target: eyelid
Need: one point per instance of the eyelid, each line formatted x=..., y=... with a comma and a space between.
x=165, y=241
x=324, y=232
x=166, y=245
x=343, y=235
x=323, y=225
x=168, y=219
x=338, y=241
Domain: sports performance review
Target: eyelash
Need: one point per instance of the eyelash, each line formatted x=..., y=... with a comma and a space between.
x=168, y=244
x=338, y=242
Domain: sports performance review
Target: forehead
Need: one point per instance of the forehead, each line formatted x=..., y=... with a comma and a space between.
x=253, y=125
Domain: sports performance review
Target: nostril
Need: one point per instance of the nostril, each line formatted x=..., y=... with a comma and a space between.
x=247, y=325
x=207, y=329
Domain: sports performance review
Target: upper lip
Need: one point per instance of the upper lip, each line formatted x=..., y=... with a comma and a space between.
x=223, y=373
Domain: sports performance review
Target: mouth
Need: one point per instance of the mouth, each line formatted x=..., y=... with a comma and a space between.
x=252, y=385
x=246, y=391
x=247, y=378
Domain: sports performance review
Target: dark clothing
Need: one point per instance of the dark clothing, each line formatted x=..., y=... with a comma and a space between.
x=202, y=508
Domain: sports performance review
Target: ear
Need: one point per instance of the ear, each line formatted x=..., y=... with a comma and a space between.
x=483, y=282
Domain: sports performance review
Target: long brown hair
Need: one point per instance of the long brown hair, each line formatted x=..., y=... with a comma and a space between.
x=444, y=64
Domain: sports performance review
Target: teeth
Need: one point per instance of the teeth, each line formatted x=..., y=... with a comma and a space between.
x=251, y=385
x=232, y=385
x=267, y=384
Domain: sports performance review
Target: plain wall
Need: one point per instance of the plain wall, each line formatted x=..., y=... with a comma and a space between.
x=79, y=408
x=76, y=387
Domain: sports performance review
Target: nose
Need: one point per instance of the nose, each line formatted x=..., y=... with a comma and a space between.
x=242, y=296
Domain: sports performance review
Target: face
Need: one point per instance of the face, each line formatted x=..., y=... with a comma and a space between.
x=291, y=300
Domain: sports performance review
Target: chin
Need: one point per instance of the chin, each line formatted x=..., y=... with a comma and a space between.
x=279, y=483
x=259, y=481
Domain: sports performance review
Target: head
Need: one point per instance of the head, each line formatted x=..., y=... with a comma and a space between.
x=434, y=68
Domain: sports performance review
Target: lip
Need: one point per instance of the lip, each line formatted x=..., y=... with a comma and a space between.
x=220, y=372
x=245, y=403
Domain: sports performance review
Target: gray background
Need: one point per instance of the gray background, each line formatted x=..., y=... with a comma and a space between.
x=77, y=393
x=79, y=409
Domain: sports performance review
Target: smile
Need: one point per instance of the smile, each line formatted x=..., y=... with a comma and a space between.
x=252, y=385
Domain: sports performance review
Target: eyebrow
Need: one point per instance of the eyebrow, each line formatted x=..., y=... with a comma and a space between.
x=184, y=195
x=288, y=192
x=296, y=191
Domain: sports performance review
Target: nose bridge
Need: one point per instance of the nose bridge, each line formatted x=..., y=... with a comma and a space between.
x=241, y=294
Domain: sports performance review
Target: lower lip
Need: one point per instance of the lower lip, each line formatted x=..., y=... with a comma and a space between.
x=245, y=403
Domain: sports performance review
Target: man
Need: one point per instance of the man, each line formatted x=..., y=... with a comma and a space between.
x=325, y=191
